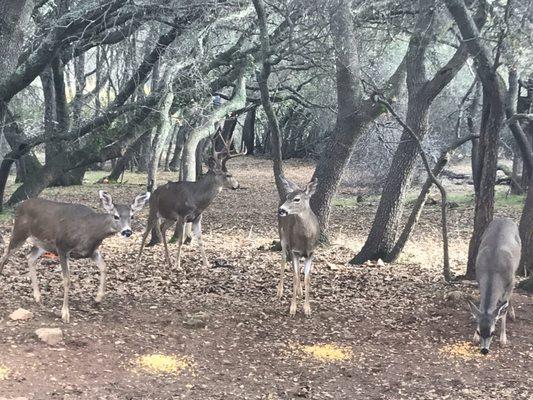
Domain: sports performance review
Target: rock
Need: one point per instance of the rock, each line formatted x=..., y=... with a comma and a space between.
x=51, y=336
x=20, y=315
x=380, y=263
x=196, y=321
x=455, y=296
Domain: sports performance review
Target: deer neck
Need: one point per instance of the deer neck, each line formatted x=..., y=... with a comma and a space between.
x=101, y=227
x=208, y=188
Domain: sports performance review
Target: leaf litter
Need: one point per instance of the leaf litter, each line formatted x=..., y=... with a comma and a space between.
x=227, y=319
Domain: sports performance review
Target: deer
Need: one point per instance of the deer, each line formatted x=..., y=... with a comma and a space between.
x=183, y=202
x=69, y=230
x=496, y=264
x=298, y=231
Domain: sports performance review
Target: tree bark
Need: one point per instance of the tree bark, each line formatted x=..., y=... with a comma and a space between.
x=248, y=131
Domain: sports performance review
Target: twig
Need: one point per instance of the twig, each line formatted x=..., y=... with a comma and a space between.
x=446, y=258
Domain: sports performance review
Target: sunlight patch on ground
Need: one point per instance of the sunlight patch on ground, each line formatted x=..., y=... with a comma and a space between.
x=462, y=350
x=326, y=352
x=4, y=372
x=161, y=364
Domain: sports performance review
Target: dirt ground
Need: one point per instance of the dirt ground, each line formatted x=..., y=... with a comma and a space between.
x=387, y=332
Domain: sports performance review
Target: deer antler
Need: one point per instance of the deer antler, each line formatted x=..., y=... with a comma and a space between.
x=225, y=154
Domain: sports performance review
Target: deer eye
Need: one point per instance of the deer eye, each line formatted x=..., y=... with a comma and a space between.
x=296, y=199
x=116, y=217
x=478, y=332
x=229, y=176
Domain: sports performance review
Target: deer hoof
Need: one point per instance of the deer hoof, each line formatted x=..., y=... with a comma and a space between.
x=307, y=310
x=476, y=338
x=292, y=310
x=99, y=297
x=503, y=341
x=280, y=291
x=299, y=291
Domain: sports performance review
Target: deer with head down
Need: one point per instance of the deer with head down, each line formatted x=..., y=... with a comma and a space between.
x=496, y=264
x=186, y=201
x=70, y=231
x=298, y=230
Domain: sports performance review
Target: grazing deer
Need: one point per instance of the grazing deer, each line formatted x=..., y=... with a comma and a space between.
x=298, y=231
x=496, y=263
x=186, y=201
x=71, y=231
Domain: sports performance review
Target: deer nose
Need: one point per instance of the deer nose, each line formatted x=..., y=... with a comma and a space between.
x=282, y=212
x=484, y=351
x=126, y=232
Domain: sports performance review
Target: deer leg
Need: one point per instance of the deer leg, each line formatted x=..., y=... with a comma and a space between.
x=149, y=226
x=181, y=222
x=161, y=231
x=511, y=312
x=34, y=255
x=65, y=313
x=282, y=271
x=102, y=267
x=295, y=283
x=197, y=229
x=18, y=237
x=307, y=283
x=503, y=333
x=476, y=337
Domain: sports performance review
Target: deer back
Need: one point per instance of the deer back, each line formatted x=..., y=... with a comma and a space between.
x=67, y=227
x=497, y=261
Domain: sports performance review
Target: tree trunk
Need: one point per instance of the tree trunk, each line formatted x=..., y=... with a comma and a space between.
x=181, y=138
x=421, y=200
x=122, y=163
x=14, y=17
x=526, y=232
x=353, y=116
x=421, y=93
x=171, y=145
x=60, y=124
x=248, y=132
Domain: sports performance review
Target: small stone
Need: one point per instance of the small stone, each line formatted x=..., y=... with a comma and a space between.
x=380, y=263
x=20, y=315
x=455, y=296
x=51, y=336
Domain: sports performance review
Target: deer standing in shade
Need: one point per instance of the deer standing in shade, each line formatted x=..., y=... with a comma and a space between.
x=186, y=201
x=496, y=264
x=298, y=231
x=70, y=231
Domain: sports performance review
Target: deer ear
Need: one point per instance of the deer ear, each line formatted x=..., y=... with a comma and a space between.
x=311, y=187
x=211, y=163
x=288, y=185
x=473, y=309
x=107, y=201
x=139, y=202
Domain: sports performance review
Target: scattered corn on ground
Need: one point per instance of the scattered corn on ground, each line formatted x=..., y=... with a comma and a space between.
x=4, y=372
x=463, y=350
x=327, y=352
x=161, y=364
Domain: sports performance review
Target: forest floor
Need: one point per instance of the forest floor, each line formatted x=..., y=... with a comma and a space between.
x=396, y=331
